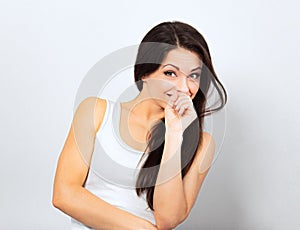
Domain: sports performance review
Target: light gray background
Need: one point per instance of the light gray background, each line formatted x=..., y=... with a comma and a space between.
x=48, y=47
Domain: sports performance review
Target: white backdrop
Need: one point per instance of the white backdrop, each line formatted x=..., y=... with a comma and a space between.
x=46, y=48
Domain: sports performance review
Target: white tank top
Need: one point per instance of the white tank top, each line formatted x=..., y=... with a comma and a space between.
x=114, y=169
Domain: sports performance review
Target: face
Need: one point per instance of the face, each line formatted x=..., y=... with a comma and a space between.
x=180, y=71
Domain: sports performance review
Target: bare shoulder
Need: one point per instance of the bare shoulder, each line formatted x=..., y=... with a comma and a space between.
x=205, y=152
x=92, y=109
x=100, y=108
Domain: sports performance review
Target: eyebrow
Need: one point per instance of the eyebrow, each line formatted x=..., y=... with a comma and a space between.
x=176, y=67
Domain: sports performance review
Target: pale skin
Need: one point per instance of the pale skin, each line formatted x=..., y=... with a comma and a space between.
x=173, y=198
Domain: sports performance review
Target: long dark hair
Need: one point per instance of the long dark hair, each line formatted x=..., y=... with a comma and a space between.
x=151, y=52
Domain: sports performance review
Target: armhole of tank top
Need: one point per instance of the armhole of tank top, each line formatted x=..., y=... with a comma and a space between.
x=104, y=117
x=104, y=120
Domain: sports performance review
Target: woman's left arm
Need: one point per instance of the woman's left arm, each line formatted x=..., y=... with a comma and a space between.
x=173, y=196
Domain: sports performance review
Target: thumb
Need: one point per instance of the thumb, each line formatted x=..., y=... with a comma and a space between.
x=170, y=112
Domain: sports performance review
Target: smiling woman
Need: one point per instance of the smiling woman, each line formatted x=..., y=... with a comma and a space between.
x=160, y=132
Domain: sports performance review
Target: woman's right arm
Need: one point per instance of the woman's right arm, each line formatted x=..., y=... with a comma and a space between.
x=69, y=195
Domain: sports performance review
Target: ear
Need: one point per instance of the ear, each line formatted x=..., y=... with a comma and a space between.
x=144, y=78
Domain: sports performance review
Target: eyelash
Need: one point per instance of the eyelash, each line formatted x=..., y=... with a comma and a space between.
x=197, y=75
x=168, y=72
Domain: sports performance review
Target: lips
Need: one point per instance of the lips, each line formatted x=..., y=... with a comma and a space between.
x=170, y=94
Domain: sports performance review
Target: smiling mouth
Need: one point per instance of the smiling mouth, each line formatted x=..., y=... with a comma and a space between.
x=170, y=94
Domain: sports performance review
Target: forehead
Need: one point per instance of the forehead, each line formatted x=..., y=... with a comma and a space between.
x=182, y=58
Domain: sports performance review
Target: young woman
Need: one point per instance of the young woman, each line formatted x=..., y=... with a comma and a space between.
x=161, y=130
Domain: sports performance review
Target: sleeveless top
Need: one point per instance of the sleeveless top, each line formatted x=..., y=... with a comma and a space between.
x=114, y=168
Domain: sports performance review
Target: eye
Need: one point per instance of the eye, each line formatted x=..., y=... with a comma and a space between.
x=170, y=73
x=195, y=76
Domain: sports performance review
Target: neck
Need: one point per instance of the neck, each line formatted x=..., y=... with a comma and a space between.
x=144, y=108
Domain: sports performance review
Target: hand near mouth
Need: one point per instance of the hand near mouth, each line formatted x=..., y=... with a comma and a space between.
x=179, y=112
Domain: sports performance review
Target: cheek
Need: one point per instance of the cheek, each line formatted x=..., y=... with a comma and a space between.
x=166, y=85
x=159, y=86
x=194, y=87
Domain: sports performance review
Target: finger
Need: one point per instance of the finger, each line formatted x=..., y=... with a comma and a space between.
x=181, y=102
x=182, y=96
x=182, y=109
x=171, y=102
x=181, y=99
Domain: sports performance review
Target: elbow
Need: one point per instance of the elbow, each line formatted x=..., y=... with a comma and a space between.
x=56, y=199
x=59, y=197
x=166, y=225
x=169, y=222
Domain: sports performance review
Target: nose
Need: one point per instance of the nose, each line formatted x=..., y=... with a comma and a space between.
x=182, y=85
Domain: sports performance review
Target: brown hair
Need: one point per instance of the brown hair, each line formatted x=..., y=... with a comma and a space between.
x=154, y=47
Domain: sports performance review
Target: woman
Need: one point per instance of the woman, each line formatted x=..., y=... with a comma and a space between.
x=164, y=123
